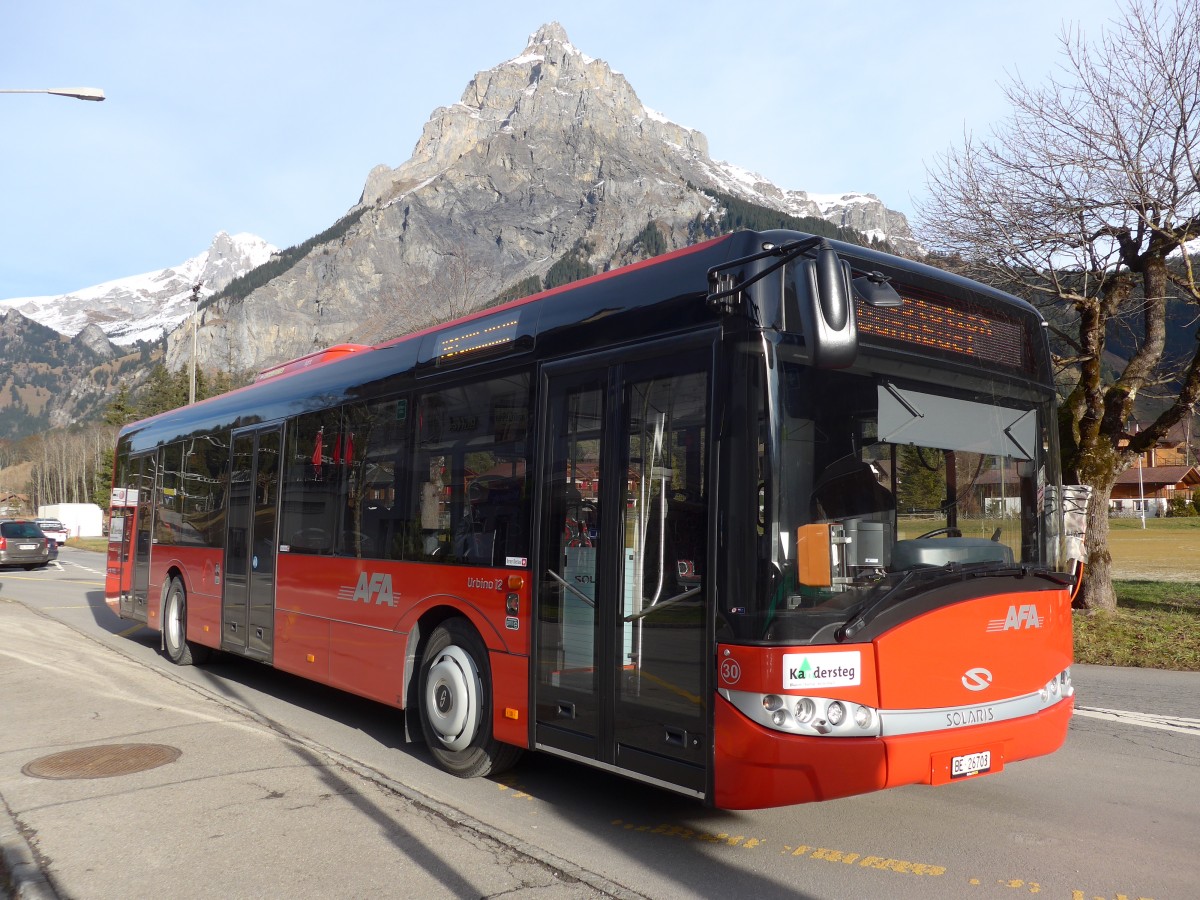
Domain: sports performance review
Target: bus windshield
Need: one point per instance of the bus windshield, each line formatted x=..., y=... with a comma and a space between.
x=875, y=487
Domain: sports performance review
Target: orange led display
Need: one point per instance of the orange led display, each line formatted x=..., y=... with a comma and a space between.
x=938, y=326
x=483, y=335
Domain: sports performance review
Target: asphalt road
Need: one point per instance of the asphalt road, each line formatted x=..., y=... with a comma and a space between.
x=1115, y=813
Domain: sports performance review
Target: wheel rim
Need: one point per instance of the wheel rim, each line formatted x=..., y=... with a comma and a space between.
x=452, y=698
x=173, y=623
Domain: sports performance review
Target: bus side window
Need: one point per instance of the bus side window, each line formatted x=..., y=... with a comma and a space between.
x=312, y=482
x=373, y=449
x=469, y=501
x=433, y=517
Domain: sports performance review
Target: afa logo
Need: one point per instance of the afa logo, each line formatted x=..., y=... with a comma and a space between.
x=372, y=587
x=1024, y=616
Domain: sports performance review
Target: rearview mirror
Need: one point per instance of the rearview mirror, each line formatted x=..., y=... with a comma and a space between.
x=818, y=292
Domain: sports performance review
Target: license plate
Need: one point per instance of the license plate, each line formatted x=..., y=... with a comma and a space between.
x=970, y=764
x=29, y=546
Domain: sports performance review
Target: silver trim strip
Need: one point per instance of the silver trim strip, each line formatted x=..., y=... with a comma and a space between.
x=626, y=773
x=921, y=721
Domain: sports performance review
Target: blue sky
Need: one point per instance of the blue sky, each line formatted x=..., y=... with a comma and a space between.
x=266, y=117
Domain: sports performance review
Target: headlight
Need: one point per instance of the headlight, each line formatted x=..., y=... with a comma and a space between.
x=835, y=712
x=809, y=716
x=862, y=716
x=805, y=710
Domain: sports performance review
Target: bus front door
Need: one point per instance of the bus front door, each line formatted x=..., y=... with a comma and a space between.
x=622, y=653
x=248, y=601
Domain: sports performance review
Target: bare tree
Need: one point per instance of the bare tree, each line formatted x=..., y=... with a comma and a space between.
x=1082, y=201
x=66, y=464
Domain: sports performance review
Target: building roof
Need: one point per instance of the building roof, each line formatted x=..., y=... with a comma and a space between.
x=1160, y=476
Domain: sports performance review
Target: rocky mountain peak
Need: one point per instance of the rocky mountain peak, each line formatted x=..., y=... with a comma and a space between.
x=551, y=34
x=94, y=339
x=552, y=95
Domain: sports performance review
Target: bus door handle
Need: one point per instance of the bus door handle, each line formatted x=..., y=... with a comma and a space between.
x=678, y=737
x=566, y=710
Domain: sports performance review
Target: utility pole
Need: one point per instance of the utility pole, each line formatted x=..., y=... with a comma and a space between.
x=195, y=311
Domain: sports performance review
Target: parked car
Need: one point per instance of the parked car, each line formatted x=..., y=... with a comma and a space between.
x=23, y=544
x=53, y=528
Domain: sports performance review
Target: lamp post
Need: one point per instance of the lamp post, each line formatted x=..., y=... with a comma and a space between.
x=1141, y=490
x=195, y=310
x=1134, y=428
x=79, y=93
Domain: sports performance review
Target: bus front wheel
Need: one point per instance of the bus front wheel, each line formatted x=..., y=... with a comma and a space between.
x=456, y=703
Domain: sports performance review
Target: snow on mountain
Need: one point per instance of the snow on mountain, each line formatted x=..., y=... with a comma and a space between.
x=862, y=212
x=145, y=307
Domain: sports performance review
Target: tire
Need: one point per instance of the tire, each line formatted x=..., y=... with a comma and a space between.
x=174, y=625
x=455, y=699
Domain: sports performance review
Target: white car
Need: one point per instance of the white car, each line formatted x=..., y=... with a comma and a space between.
x=52, y=528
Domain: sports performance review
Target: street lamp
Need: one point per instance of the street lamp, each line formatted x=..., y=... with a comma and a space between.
x=195, y=310
x=79, y=93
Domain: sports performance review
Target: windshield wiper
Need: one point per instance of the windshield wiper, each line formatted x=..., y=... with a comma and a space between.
x=856, y=624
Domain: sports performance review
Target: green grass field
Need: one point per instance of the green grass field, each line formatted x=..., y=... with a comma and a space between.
x=1157, y=578
x=1156, y=626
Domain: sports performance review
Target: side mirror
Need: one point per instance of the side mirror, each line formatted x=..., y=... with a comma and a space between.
x=819, y=293
x=876, y=290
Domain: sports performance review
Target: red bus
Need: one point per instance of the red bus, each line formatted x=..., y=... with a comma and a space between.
x=767, y=520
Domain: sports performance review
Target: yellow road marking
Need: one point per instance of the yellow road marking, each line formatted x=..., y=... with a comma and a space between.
x=128, y=631
x=52, y=581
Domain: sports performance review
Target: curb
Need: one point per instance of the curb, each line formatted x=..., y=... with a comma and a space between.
x=20, y=873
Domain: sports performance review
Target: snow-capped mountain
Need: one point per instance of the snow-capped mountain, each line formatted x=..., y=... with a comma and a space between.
x=145, y=307
x=548, y=157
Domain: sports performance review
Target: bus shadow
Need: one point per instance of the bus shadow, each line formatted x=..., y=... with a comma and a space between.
x=103, y=614
x=676, y=837
x=225, y=675
x=696, y=848
x=650, y=829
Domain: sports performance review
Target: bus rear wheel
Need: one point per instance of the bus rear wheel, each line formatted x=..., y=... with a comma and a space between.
x=174, y=625
x=456, y=703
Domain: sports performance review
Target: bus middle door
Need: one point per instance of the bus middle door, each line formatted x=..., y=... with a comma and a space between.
x=251, y=547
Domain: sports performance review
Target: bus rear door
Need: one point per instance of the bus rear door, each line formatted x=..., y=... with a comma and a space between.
x=136, y=535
